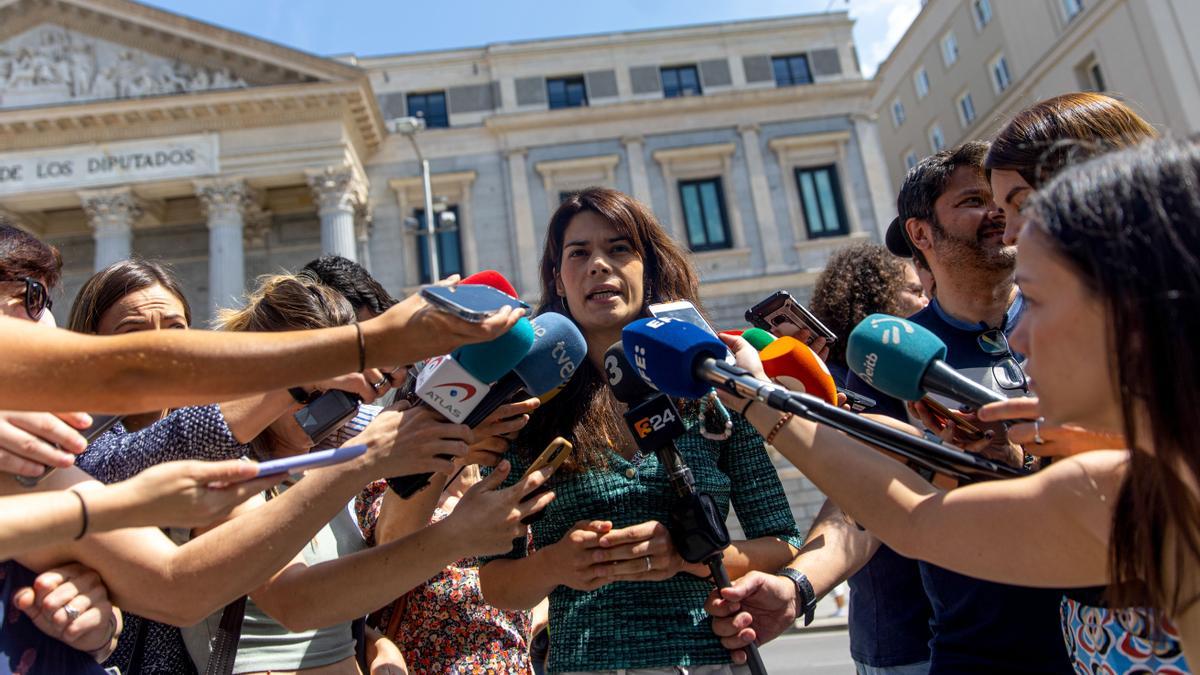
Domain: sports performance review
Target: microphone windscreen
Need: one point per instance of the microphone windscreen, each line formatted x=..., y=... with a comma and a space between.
x=796, y=366
x=489, y=361
x=558, y=350
x=892, y=354
x=758, y=338
x=627, y=385
x=491, y=278
x=664, y=352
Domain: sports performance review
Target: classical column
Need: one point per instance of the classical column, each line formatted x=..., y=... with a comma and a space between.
x=363, y=224
x=866, y=129
x=527, y=250
x=760, y=191
x=226, y=202
x=638, y=179
x=111, y=214
x=338, y=192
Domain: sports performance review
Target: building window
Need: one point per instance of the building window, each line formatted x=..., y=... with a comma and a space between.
x=791, y=70
x=937, y=140
x=1071, y=8
x=566, y=92
x=1092, y=75
x=921, y=83
x=821, y=199
x=949, y=49
x=704, y=214
x=680, y=81
x=1001, y=79
x=982, y=11
x=898, y=113
x=449, y=249
x=431, y=107
x=910, y=160
x=966, y=110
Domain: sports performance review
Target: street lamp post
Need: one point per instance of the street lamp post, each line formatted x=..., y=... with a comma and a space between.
x=409, y=126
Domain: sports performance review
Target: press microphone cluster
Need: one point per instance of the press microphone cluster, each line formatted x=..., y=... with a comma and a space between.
x=682, y=360
x=536, y=356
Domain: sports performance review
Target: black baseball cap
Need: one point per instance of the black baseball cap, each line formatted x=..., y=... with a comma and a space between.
x=896, y=239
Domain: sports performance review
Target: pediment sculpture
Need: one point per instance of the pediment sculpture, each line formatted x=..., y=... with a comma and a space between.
x=49, y=64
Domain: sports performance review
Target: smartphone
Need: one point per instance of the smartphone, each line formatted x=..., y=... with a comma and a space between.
x=685, y=311
x=312, y=460
x=470, y=302
x=553, y=456
x=327, y=413
x=100, y=424
x=779, y=308
x=857, y=401
x=970, y=430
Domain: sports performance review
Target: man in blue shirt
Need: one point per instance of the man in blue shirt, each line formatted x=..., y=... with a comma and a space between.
x=950, y=224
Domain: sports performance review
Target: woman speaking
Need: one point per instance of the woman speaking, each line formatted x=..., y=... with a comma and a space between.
x=606, y=259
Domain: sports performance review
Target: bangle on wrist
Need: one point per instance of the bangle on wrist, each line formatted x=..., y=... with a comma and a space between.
x=83, y=511
x=746, y=407
x=787, y=417
x=806, y=598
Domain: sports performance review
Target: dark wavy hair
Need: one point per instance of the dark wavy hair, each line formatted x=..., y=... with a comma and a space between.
x=926, y=181
x=353, y=281
x=108, y=286
x=24, y=255
x=585, y=411
x=1128, y=224
x=858, y=280
x=1049, y=135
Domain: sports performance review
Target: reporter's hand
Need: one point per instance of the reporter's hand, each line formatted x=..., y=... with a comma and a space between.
x=746, y=357
x=28, y=440
x=186, y=493
x=489, y=519
x=1057, y=440
x=994, y=444
x=361, y=384
x=642, y=552
x=805, y=335
x=571, y=560
x=411, y=440
x=413, y=330
x=757, y=608
x=96, y=624
x=493, y=435
x=389, y=660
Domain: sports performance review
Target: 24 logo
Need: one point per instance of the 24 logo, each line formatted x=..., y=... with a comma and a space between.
x=648, y=425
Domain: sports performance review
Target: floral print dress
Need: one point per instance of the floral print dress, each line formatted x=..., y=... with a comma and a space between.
x=445, y=626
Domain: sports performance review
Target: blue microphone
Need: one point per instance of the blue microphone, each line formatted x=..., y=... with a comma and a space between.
x=558, y=350
x=906, y=361
x=665, y=352
x=481, y=359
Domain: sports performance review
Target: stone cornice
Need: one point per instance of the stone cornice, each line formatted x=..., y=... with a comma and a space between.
x=631, y=110
x=209, y=111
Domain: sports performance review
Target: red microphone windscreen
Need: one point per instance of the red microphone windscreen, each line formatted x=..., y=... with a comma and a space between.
x=491, y=278
x=794, y=365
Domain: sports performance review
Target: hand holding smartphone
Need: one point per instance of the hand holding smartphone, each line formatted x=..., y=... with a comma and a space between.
x=553, y=456
x=780, y=308
x=312, y=460
x=470, y=302
x=944, y=415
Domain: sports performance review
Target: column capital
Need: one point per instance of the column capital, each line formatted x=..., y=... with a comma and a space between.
x=337, y=188
x=636, y=139
x=111, y=211
x=748, y=128
x=225, y=199
x=509, y=153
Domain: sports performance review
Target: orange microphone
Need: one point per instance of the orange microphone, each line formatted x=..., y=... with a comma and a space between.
x=792, y=364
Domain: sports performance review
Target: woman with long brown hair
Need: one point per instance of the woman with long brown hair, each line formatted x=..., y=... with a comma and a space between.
x=606, y=259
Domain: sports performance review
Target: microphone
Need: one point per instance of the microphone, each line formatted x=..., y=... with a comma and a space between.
x=796, y=366
x=628, y=387
x=683, y=360
x=758, y=338
x=905, y=360
x=491, y=278
x=558, y=349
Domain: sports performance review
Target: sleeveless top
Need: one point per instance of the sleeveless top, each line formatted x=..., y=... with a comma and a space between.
x=26, y=650
x=1104, y=640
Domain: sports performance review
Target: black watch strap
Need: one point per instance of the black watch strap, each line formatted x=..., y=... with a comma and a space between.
x=300, y=396
x=804, y=593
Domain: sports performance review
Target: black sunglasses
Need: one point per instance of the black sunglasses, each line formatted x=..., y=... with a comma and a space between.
x=1009, y=374
x=37, y=297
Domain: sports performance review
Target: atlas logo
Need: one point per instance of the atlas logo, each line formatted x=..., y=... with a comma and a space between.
x=459, y=392
x=869, y=362
x=891, y=333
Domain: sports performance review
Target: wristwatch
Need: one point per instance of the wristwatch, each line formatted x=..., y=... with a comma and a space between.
x=806, y=597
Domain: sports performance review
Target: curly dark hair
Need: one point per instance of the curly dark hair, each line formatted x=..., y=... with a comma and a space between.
x=858, y=280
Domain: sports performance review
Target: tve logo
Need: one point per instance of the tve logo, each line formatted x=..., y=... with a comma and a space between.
x=566, y=368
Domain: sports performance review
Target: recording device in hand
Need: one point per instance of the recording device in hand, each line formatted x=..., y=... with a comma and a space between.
x=682, y=360
x=906, y=361
x=553, y=456
x=557, y=351
x=299, y=463
x=327, y=413
x=100, y=424
x=684, y=310
x=780, y=308
x=695, y=524
x=470, y=302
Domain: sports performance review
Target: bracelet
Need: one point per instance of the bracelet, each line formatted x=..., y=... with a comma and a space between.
x=83, y=510
x=362, y=348
x=746, y=407
x=787, y=417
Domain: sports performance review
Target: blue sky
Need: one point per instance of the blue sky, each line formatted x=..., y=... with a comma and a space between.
x=373, y=27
